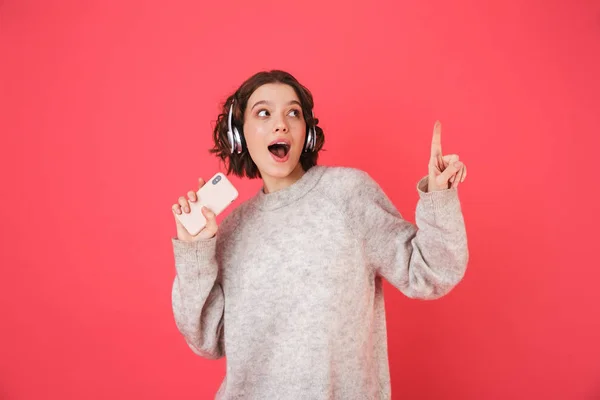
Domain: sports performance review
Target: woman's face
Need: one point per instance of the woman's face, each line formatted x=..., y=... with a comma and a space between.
x=274, y=129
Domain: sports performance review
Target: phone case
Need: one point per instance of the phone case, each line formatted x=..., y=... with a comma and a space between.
x=216, y=195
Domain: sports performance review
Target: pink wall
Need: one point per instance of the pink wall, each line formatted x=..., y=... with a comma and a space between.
x=106, y=117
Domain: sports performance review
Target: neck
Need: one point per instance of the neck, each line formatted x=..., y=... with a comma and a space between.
x=273, y=184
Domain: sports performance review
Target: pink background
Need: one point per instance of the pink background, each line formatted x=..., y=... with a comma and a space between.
x=106, y=115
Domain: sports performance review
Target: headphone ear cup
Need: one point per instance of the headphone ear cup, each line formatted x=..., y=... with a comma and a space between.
x=237, y=141
x=307, y=140
x=311, y=136
x=241, y=141
x=230, y=139
x=310, y=140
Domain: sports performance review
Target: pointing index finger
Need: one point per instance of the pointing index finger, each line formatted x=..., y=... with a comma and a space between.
x=436, y=141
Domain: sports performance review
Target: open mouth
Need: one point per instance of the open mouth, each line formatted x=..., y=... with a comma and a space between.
x=279, y=149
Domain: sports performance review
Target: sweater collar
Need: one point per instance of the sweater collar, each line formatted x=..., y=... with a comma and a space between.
x=284, y=197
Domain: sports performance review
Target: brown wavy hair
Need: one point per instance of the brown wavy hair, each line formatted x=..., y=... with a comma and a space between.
x=242, y=164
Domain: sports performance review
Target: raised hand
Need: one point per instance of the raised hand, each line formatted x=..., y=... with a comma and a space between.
x=183, y=206
x=445, y=171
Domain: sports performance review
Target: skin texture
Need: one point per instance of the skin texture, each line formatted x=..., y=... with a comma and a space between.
x=274, y=112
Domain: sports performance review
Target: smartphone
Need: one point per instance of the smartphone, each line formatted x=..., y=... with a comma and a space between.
x=216, y=195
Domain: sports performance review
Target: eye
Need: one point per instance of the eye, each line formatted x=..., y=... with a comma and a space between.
x=261, y=113
x=297, y=112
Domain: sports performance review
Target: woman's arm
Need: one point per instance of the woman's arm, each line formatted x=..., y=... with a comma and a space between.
x=425, y=261
x=197, y=297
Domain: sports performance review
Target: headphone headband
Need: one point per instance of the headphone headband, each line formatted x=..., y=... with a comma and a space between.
x=230, y=116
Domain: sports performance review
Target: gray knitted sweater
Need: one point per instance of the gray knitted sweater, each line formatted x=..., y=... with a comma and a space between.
x=290, y=288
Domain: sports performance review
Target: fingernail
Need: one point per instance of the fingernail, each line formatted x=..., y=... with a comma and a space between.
x=458, y=164
x=187, y=209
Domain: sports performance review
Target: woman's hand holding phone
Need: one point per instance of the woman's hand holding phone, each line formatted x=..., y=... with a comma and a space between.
x=183, y=206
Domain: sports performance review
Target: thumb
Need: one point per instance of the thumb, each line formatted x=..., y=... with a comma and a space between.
x=211, y=227
x=445, y=176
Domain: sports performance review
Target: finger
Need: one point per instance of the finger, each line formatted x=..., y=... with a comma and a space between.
x=457, y=178
x=176, y=209
x=463, y=174
x=201, y=182
x=192, y=196
x=450, y=158
x=454, y=177
x=444, y=177
x=436, y=141
x=440, y=162
x=184, y=204
x=211, y=221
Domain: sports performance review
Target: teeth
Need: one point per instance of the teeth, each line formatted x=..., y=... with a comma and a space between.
x=280, y=143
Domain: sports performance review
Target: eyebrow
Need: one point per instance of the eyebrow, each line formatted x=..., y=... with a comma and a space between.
x=269, y=103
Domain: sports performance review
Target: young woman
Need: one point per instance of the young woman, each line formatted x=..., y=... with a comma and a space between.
x=289, y=286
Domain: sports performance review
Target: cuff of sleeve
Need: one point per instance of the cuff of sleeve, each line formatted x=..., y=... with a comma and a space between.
x=439, y=198
x=192, y=255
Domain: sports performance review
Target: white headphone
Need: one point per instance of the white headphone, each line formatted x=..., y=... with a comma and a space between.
x=238, y=142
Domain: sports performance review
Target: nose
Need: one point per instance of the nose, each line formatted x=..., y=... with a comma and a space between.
x=280, y=126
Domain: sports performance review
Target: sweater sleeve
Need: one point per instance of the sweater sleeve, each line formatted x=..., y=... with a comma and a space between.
x=197, y=297
x=424, y=261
